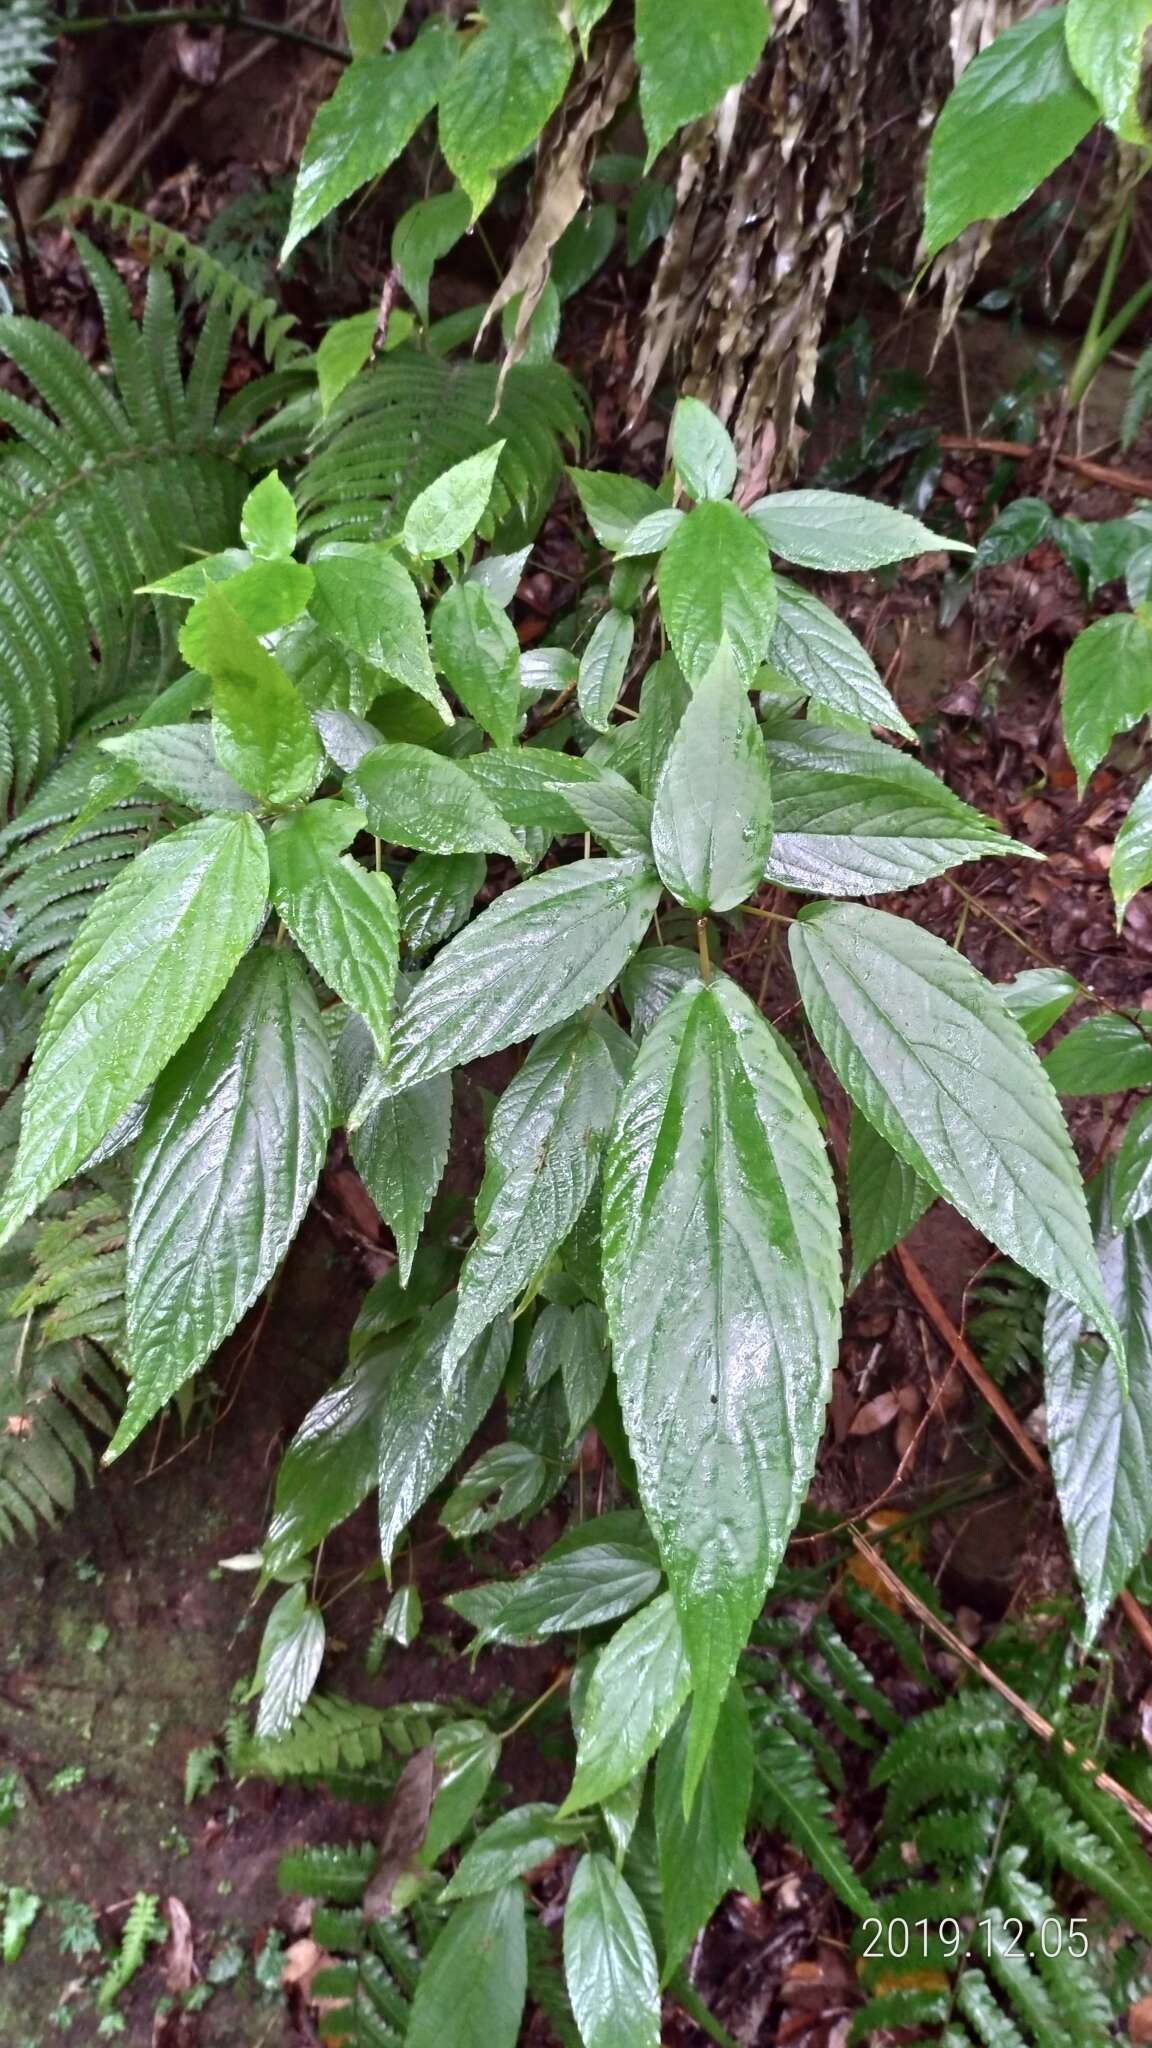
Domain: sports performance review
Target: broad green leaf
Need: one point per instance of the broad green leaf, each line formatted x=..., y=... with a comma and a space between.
x=474, y=645
x=702, y=451
x=436, y=896
x=1018, y=111
x=330, y=1464
x=291, y=1653
x=612, y=504
x=472, y=1987
x=538, y=954
x=412, y=797
x=225, y=567
x=231, y=1151
x=344, y=349
x=603, y=667
x=264, y=736
x=1107, y=687
x=505, y=1482
x=1099, y=1438
x=342, y=917
x=180, y=761
x=368, y=602
x=817, y=652
x=500, y=575
x=1131, y=868
x=664, y=698
x=639, y=1684
x=1102, y=1056
x=575, y=1588
x=651, y=212
x=378, y=104
x=886, y=1197
x=446, y=514
x=834, y=530
x=268, y=520
x=712, y=817
x=584, y=1365
x=1038, y=998
x=715, y=583
x=403, y=1617
x=266, y=594
x=698, y=1851
x=925, y=1048
x=585, y=14
x=369, y=23
x=506, y=85
x=721, y=1259
x=508, y=1849
x=1132, y=1171
x=467, y=1753
x=853, y=817
x=1108, y=46
x=609, y=1960
x=422, y=236
x=583, y=249
x=652, y=978
x=400, y=1151
x=538, y=788
x=149, y=960
x=690, y=58
x=651, y=536
x=541, y=1163
x=423, y=1428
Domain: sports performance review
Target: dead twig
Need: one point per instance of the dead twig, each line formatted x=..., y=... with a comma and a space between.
x=1018, y=451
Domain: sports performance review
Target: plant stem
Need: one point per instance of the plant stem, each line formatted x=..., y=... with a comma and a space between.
x=702, y=948
x=1102, y=333
x=216, y=17
x=560, y=1679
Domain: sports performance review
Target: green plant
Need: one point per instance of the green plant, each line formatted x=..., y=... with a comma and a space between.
x=144, y=1925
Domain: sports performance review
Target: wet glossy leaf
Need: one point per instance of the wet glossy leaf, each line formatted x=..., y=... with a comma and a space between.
x=541, y=1163
x=368, y=602
x=1038, y=998
x=664, y=698
x=424, y=1427
x=575, y=1588
x=651, y=536
x=603, y=667
x=263, y=734
x=1131, y=868
x=503, y=1483
x=180, y=761
x=412, y=797
x=1108, y=50
x=712, y=816
x=1107, y=687
x=538, y=788
x=508, y=82
x=817, y=652
x=149, y=960
x=702, y=451
x=268, y=520
x=834, y=530
x=1102, y=1056
x=400, y=1151
x=715, y=583
x=472, y=1987
x=1132, y=1171
x=652, y=978
x=927, y=1051
x=442, y=517
x=330, y=1464
x=507, y=1849
x=609, y=1960
x=422, y=236
x=539, y=953
x=467, y=1753
x=584, y=1365
x=722, y=1279
x=474, y=645
x=233, y=1143
x=344, y=349
x=342, y=916
x=886, y=1197
x=1017, y=112
x=436, y=895
x=688, y=59
x=638, y=1686
x=698, y=1851
x=291, y=1653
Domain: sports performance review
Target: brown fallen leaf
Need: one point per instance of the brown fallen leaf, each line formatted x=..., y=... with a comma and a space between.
x=1140, y=2021
x=302, y=1960
x=876, y=1414
x=180, y=1964
x=405, y=1826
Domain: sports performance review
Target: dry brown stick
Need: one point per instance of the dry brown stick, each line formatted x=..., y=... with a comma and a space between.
x=1016, y=451
x=1035, y=1721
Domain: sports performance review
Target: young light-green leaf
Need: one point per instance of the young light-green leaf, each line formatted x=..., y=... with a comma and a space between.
x=928, y=1052
x=603, y=667
x=834, y=530
x=344, y=349
x=291, y=1653
x=1018, y=111
x=721, y=1255
x=609, y=1960
x=472, y=1987
x=715, y=583
x=702, y=451
x=180, y=761
x=261, y=726
x=342, y=916
x=367, y=601
x=268, y=520
x=149, y=960
x=508, y=82
x=1108, y=46
x=412, y=797
x=1107, y=686
x=230, y=1154
x=639, y=1684
x=690, y=58
x=444, y=516
x=474, y=645
x=712, y=817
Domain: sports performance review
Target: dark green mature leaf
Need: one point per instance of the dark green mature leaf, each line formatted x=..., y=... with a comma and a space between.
x=504, y=1482
x=603, y=667
x=504, y=1851
x=688, y=60
x=1017, y=112
x=574, y=1588
x=180, y=761
x=291, y=1653
x=541, y=1163
x=584, y=1364
x=474, y=645
x=412, y=797
x=1131, y=868
x=472, y=1987
x=712, y=818
x=613, y=504
x=856, y=818
x=422, y=235
x=537, y=788
x=466, y=1753
x=722, y=1279
x=834, y=530
x=638, y=1686
x=435, y=896
x=502, y=92
x=609, y=1960
x=1038, y=998
x=446, y=513
x=330, y=1464
x=365, y=599
x=1132, y=1173
x=1103, y=1056
x=1107, y=47
x=927, y=1051
x=715, y=583
x=534, y=957
x=233, y=1143
x=1099, y=1439
x=1107, y=686
x=652, y=978
x=377, y=106
x=816, y=651
x=400, y=1152
x=702, y=451
x=698, y=1852
x=260, y=723
x=425, y=1422
x=149, y=960
x=341, y=916
x=886, y=1197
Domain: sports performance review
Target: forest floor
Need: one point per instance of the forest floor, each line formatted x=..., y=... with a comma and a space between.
x=126, y=1632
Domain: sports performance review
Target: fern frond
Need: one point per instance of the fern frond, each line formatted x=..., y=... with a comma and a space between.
x=143, y=1926
x=26, y=38
x=78, y=1275
x=1059, y=1836
x=788, y=1794
x=412, y=416
x=366, y=1995
x=47, y=1392
x=339, y=1874
x=333, y=1735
